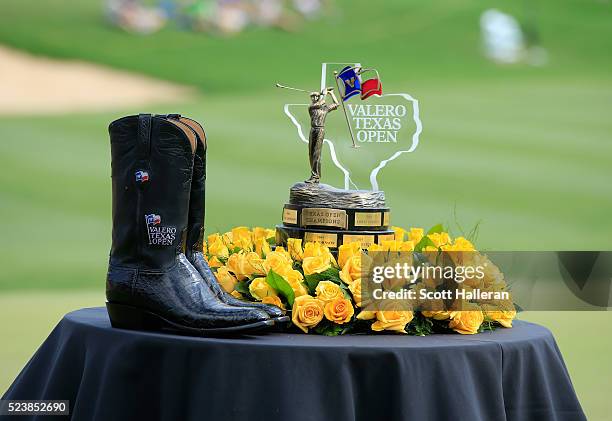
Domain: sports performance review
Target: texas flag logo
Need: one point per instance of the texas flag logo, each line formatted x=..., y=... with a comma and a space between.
x=142, y=176
x=350, y=77
x=153, y=219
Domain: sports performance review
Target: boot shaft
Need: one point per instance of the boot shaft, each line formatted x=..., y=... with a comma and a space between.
x=152, y=164
x=195, y=224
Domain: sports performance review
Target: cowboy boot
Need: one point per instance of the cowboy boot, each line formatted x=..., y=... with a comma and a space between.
x=150, y=283
x=195, y=228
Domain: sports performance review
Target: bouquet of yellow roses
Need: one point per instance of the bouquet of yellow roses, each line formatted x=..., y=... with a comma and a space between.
x=323, y=294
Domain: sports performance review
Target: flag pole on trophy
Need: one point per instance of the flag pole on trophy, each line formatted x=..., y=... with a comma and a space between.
x=348, y=123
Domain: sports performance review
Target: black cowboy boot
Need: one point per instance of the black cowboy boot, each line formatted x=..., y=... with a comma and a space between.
x=195, y=228
x=150, y=284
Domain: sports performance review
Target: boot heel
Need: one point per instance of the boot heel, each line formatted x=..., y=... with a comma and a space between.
x=128, y=317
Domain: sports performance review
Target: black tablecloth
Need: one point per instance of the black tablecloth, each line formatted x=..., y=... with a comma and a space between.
x=113, y=374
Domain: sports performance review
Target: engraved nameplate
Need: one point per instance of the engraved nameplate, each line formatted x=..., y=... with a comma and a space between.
x=386, y=237
x=367, y=219
x=289, y=216
x=386, y=218
x=324, y=217
x=330, y=240
x=365, y=240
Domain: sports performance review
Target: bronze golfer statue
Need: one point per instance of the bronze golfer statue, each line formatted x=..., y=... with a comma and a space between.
x=317, y=110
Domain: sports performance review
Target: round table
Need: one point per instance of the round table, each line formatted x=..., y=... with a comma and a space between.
x=114, y=374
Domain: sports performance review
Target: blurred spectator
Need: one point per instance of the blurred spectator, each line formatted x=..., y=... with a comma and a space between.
x=505, y=42
x=502, y=37
x=224, y=17
x=133, y=16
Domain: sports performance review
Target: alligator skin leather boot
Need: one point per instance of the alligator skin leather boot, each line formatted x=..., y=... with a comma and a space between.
x=150, y=283
x=195, y=227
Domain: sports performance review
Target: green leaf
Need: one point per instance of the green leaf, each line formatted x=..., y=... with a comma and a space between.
x=436, y=229
x=328, y=328
x=331, y=274
x=420, y=326
x=425, y=241
x=280, y=286
x=243, y=288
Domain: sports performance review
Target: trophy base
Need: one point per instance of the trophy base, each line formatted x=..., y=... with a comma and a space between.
x=315, y=194
x=319, y=212
x=332, y=238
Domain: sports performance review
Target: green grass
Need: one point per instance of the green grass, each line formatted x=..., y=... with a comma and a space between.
x=514, y=157
x=408, y=40
x=580, y=336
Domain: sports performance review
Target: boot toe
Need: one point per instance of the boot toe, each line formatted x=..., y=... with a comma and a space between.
x=274, y=311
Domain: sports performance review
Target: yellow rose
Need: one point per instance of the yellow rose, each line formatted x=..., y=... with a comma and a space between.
x=236, y=294
x=253, y=264
x=294, y=278
x=240, y=232
x=328, y=291
x=439, y=238
x=204, y=248
x=243, y=243
x=314, y=249
x=317, y=249
x=466, y=322
x=245, y=265
x=375, y=247
x=227, y=238
x=281, y=250
x=235, y=265
x=394, y=320
x=351, y=269
x=390, y=245
x=259, y=233
x=273, y=300
x=347, y=250
x=355, y=289
x=316, y=264
x=279, y=262
x=294, y=246
x=262, y=247
x=214, y=262
x=260, y=289
x=213, y=238
x=307, y=312
x=461, y=244
x=226, y=279
x=367, y=315
x=499, y=315
x=415, y=235
x=399, y=233
x=217, y=248
x=437, y=314
x=406, y=246
x=339, y=310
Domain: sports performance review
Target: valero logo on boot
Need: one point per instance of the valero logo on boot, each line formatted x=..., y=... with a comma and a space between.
x=159, y=235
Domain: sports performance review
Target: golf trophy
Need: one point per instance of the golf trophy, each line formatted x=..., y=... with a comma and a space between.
x=363, y=130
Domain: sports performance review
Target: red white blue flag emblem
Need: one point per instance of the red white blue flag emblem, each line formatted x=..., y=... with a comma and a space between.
x=350, y=78
x=142, y=176
x=153, y=219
